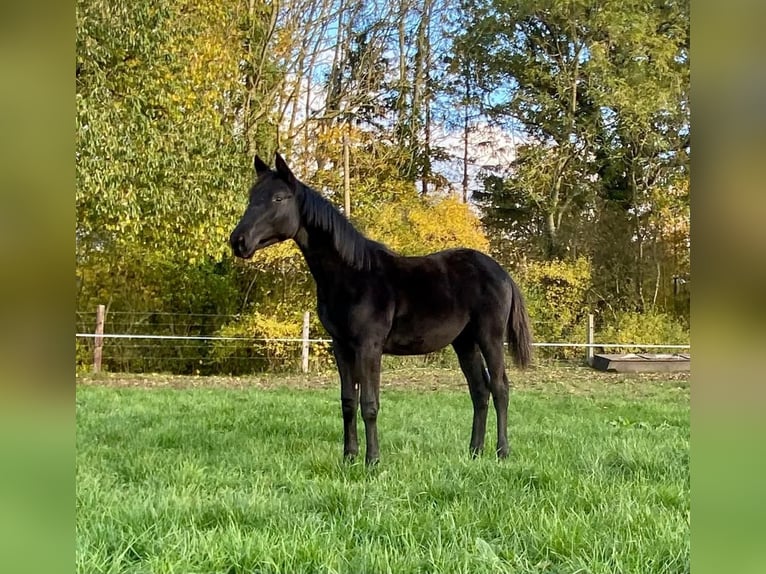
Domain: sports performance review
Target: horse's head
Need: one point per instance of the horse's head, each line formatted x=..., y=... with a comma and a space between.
x=273, y=213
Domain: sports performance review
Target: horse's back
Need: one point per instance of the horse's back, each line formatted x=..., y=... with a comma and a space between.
x=460, y=272
x=472, y=274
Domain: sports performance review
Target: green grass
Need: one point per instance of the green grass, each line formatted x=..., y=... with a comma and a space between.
x=250, y=479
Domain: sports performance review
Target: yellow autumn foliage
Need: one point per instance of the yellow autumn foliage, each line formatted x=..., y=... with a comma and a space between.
x=203, y=62
x=267, y=344
x=285, y=252
x=556, y=297
x=415, y=225
x=447, y=223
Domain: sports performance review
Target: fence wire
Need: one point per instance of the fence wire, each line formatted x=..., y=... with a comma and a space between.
x=150, y=345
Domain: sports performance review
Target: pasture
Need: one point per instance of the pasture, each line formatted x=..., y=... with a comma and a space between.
x=230, y=475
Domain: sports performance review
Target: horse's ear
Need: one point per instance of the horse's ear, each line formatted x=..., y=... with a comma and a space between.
x=260, y=166
x=284, y=171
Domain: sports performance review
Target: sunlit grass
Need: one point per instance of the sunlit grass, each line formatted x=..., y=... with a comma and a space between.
x=251, y=480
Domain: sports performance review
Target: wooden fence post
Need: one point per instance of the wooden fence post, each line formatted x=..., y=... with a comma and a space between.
x=99, y=340
x=305, y=351
x=590, y=341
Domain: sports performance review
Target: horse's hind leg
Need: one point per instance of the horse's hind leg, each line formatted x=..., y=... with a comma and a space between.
x=492, y=349
x=473, y=368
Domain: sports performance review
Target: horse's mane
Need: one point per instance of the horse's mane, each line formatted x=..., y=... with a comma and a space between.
x=352, y=246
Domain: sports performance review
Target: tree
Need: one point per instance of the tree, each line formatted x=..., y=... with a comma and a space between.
x=158, y=110
x=601, y=95
x=161, y=153
x=640, y=78
x=532, y=75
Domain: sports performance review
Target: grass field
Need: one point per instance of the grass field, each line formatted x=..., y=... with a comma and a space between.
x=245, y=475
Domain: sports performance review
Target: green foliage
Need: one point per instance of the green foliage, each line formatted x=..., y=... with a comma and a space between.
x=156, y=160
x=602, y=92
x=172, y=99
x=274, y=355
x=83, y=356
x=162, y=163
x=158, y=156
x=243, y=356
x=644, y=328
x=556, y=296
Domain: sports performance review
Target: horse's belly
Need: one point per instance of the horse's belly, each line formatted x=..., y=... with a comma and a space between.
x=405, y=340
x=414, y=348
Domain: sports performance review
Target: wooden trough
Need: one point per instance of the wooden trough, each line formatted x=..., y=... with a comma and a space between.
x=642, y=363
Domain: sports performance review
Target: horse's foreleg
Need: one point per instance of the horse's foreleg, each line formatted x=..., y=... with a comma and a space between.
x=349, y=400
x=368, y=370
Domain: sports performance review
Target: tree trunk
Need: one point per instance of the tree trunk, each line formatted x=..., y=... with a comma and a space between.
x=465, y=156
x=421, y=95
x=401, y=99
x=466, y=109
x=552, y=246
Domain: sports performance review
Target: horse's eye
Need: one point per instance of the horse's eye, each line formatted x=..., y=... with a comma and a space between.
x=278, y=198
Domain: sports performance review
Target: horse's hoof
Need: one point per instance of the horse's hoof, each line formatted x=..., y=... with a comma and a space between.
x=350, y=455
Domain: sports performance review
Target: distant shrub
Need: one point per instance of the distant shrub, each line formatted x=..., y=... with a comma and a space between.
x=555, y=293
x=83, y=356
x=256, y=354
x=647, y=328
x=273, y=354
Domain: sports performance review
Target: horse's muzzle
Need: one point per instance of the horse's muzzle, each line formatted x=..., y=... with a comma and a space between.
x=238, y=243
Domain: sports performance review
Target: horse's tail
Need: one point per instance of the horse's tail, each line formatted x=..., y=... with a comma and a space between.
x=519, y=331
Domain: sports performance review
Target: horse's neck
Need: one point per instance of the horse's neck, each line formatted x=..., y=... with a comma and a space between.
x=325, y=263
x=332, y=247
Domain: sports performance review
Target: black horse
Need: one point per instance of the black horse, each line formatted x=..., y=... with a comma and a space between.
x=373, y=301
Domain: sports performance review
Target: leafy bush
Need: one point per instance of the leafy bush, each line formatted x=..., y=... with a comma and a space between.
x=257, y=354
x=83, y=356
x=555, y=293
x=647, y=328
x=274, y=354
